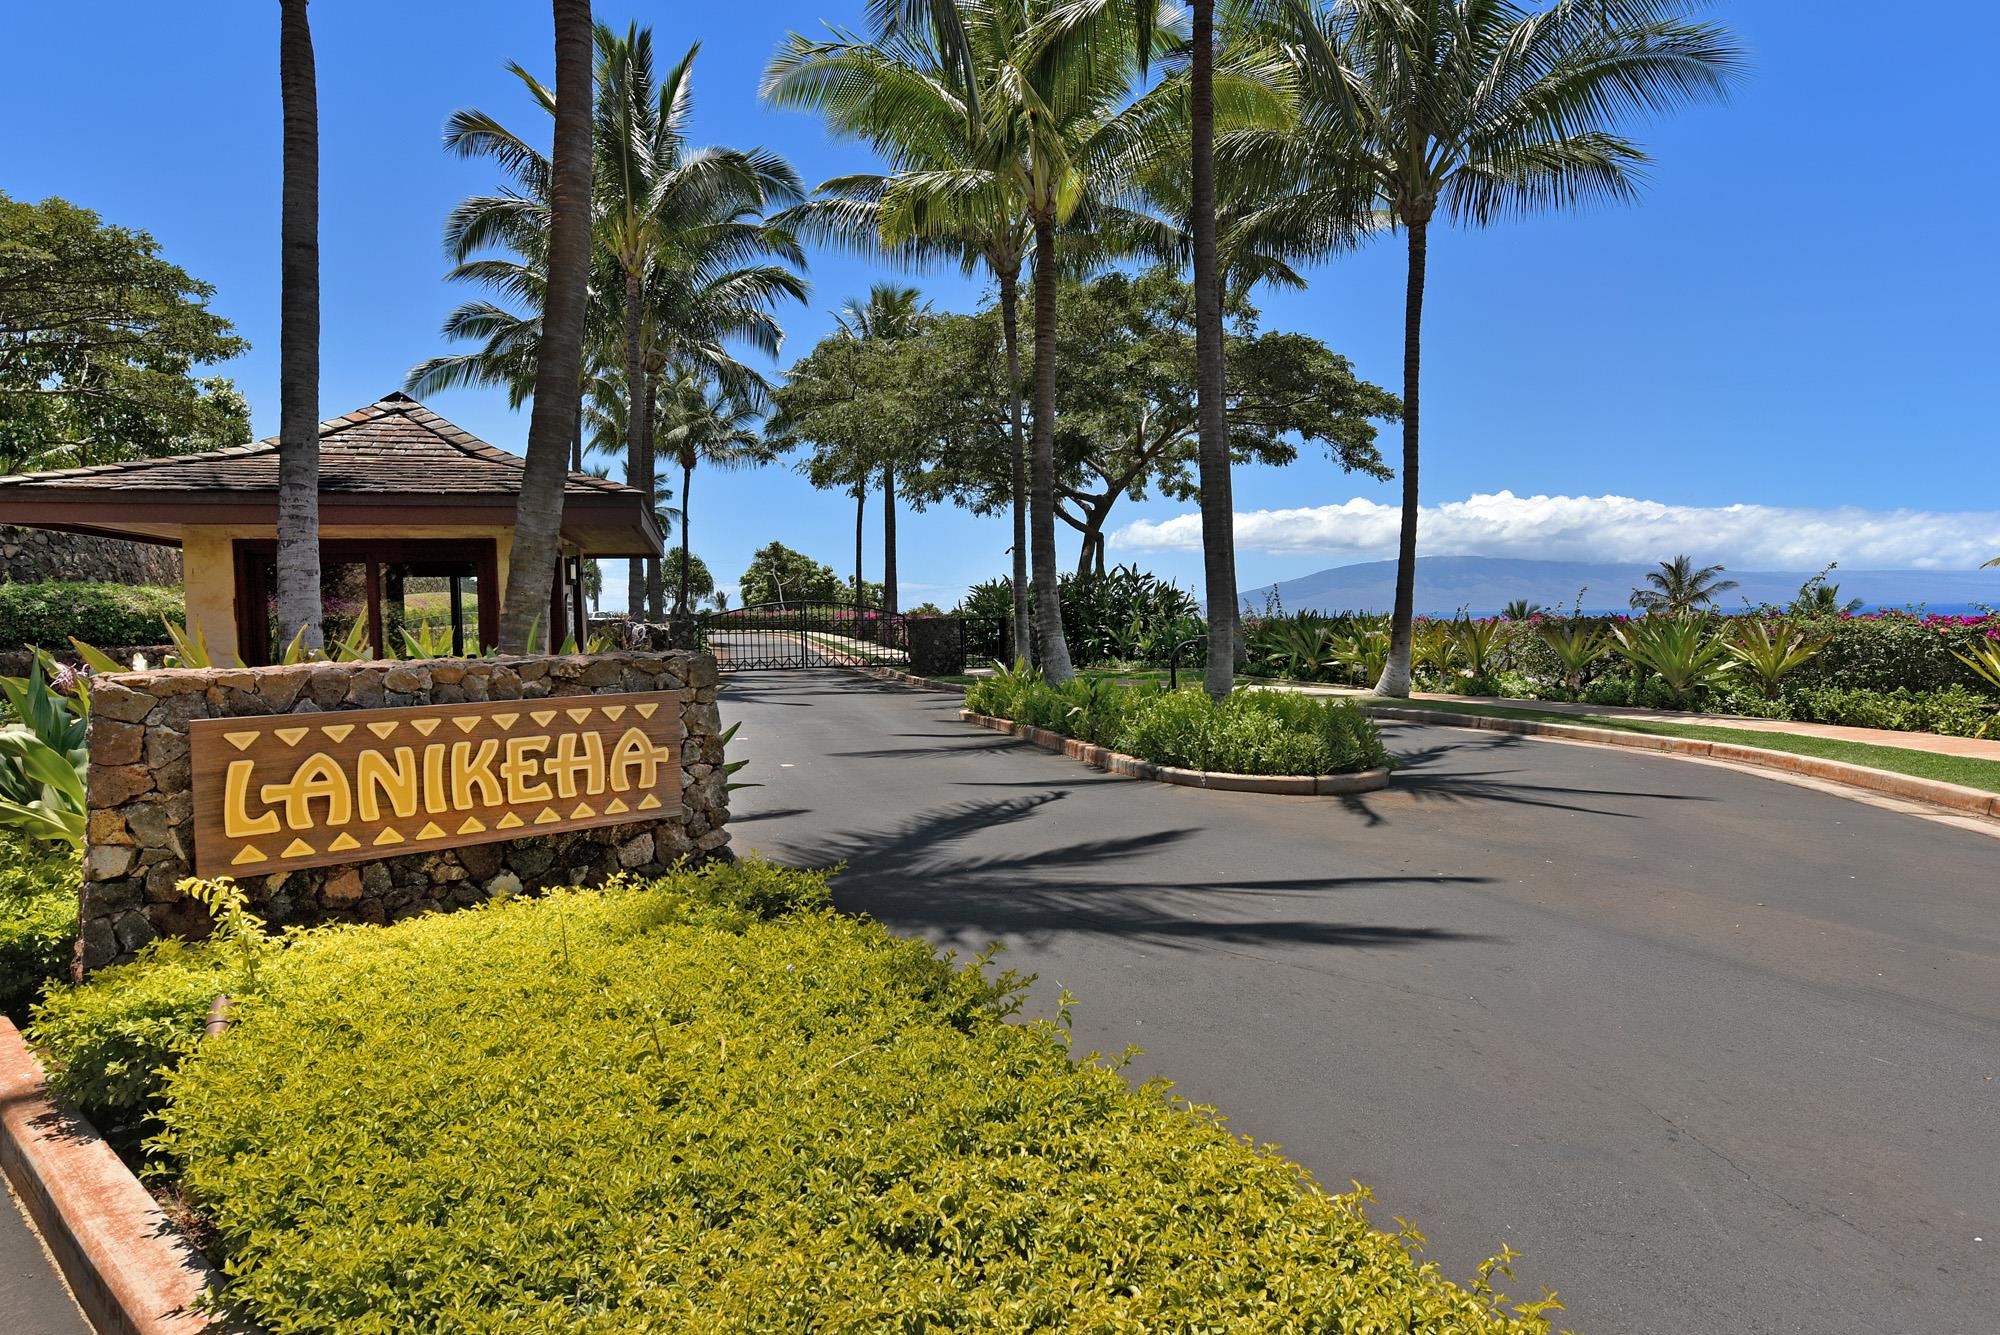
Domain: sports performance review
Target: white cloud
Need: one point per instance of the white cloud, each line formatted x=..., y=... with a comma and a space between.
x=1606, y=528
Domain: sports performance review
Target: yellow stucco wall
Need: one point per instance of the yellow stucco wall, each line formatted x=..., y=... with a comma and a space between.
x=210, y=567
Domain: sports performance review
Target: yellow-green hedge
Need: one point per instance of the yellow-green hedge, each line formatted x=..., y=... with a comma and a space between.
x=711, y=1103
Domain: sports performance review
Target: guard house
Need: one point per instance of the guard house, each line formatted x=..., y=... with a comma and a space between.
x=416, y=526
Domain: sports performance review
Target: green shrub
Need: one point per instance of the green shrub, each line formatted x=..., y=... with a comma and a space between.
x=1251, y=732
x=1954, y=710
x=38, y=883
x=47, y=615
x=630, y=1111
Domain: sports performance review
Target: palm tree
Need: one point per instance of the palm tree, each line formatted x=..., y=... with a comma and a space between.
x=687, y=221
x=553, y=424
x=891, y=312
x=298, y=336
x=914, y=96
x=1678, y=587
x=704, y=423
x=1484, y=109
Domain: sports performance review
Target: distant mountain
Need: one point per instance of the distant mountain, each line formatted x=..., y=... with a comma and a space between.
x=1482, y=585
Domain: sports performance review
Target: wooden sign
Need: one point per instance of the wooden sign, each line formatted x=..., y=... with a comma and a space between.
x=310, y=790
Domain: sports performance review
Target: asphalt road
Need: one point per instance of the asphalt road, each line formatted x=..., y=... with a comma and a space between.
x=1714, y=1053
x=33, y=1300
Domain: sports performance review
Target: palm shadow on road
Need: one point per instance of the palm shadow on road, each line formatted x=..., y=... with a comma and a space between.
x=919, y=875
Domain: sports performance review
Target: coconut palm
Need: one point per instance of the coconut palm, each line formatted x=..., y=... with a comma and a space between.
x=1483, y=109
x=1678, y=588
x=891, y=312
x=298, y=336
x=914, y=96
x=703, y=422
x=552, y=423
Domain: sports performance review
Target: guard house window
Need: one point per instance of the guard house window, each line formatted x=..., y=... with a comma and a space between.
x=442, y=592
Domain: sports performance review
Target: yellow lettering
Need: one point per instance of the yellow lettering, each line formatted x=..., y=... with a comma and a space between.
x=373, y=774
x=636, y=750
x=237, y=823
x=318, y=775
x=434, y=793
x=478, y=769
x=520, y=767
x=567, y=764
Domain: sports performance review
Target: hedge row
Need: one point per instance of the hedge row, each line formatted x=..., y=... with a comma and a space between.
x=710, y=1103
x=106, y=615
x=38, y=883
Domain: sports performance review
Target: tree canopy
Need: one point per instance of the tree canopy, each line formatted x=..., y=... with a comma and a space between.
x=100, y=339
x=777, y=574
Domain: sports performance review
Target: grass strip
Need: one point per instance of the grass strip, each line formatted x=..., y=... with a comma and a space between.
x=1968, y=771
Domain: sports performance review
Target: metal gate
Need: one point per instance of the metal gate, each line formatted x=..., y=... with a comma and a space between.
x=766, y=636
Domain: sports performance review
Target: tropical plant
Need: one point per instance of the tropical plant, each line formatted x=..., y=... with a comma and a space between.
x=1679, y=587
x=1477, y=639
x=1483, y=109
x=298, y=592
x=703, y=422
x=1677, y=648
x=1984, y=660
x=1434, y=647
x=45, y=756
x=1819, y=598
x=1364, y=649
x=1576, y=643
x=1769, y=649
x=1522, y=609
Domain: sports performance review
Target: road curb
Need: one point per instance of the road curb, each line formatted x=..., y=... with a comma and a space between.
x=132, y=1272
x=909, y=679
x=1908, y=787
x=1132, y=767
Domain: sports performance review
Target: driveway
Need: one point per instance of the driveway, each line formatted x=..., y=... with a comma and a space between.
x=1714, y=1053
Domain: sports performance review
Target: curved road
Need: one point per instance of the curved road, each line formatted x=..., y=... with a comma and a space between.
x=1712, y=1052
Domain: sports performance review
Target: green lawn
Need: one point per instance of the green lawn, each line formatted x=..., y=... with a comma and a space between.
x=1972, y=773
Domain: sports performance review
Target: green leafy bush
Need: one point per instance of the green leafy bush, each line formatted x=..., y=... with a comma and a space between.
x=38, y=883
x=1251, y=732
x=44, y=755
x=651, y=1109
x=47, y=615
x=1954, y=710
x=1125, y=615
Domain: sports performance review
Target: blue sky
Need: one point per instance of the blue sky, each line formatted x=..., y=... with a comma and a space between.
x=1795, y=320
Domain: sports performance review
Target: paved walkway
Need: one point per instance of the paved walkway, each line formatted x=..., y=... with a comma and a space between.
x=1715, y=1053
x=1983, y=748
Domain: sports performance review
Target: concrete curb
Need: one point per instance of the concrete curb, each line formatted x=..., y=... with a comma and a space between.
x=903, y=678
x=1131, y=767
x=131, y=1271
x=1931, y=792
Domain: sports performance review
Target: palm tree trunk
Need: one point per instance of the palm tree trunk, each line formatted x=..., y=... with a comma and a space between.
x=531, y=570
x=298, y=336
x=860, y=509
x=687, y=489
x=637, y=472
x=1396, y=672
x=1042, y=462
x=889, y=538
x=1218, y=519
x=1010, y=324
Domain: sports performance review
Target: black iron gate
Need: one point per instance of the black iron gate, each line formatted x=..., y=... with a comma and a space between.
x=765, y=636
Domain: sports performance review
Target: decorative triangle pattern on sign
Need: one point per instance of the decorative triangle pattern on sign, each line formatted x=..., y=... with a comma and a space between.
x=384, y=729
x=291, y=736
x=337, y=731
x=342, y=842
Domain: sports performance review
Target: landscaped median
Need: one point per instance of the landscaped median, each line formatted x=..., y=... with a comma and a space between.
x=1250, y=741
x=706, y=1102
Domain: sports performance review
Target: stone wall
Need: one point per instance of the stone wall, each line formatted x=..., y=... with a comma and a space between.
x=41, y=556
x=141, y=835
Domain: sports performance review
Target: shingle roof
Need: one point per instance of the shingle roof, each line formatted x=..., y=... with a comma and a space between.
x=394, y=446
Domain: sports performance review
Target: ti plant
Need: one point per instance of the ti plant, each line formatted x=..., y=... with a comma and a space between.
x=1769, y=649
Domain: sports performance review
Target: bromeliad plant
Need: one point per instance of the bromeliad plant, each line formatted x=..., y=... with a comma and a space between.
x=1478, y=642
x=1770, y=649
x=1678, y=649
x=1577, y=644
